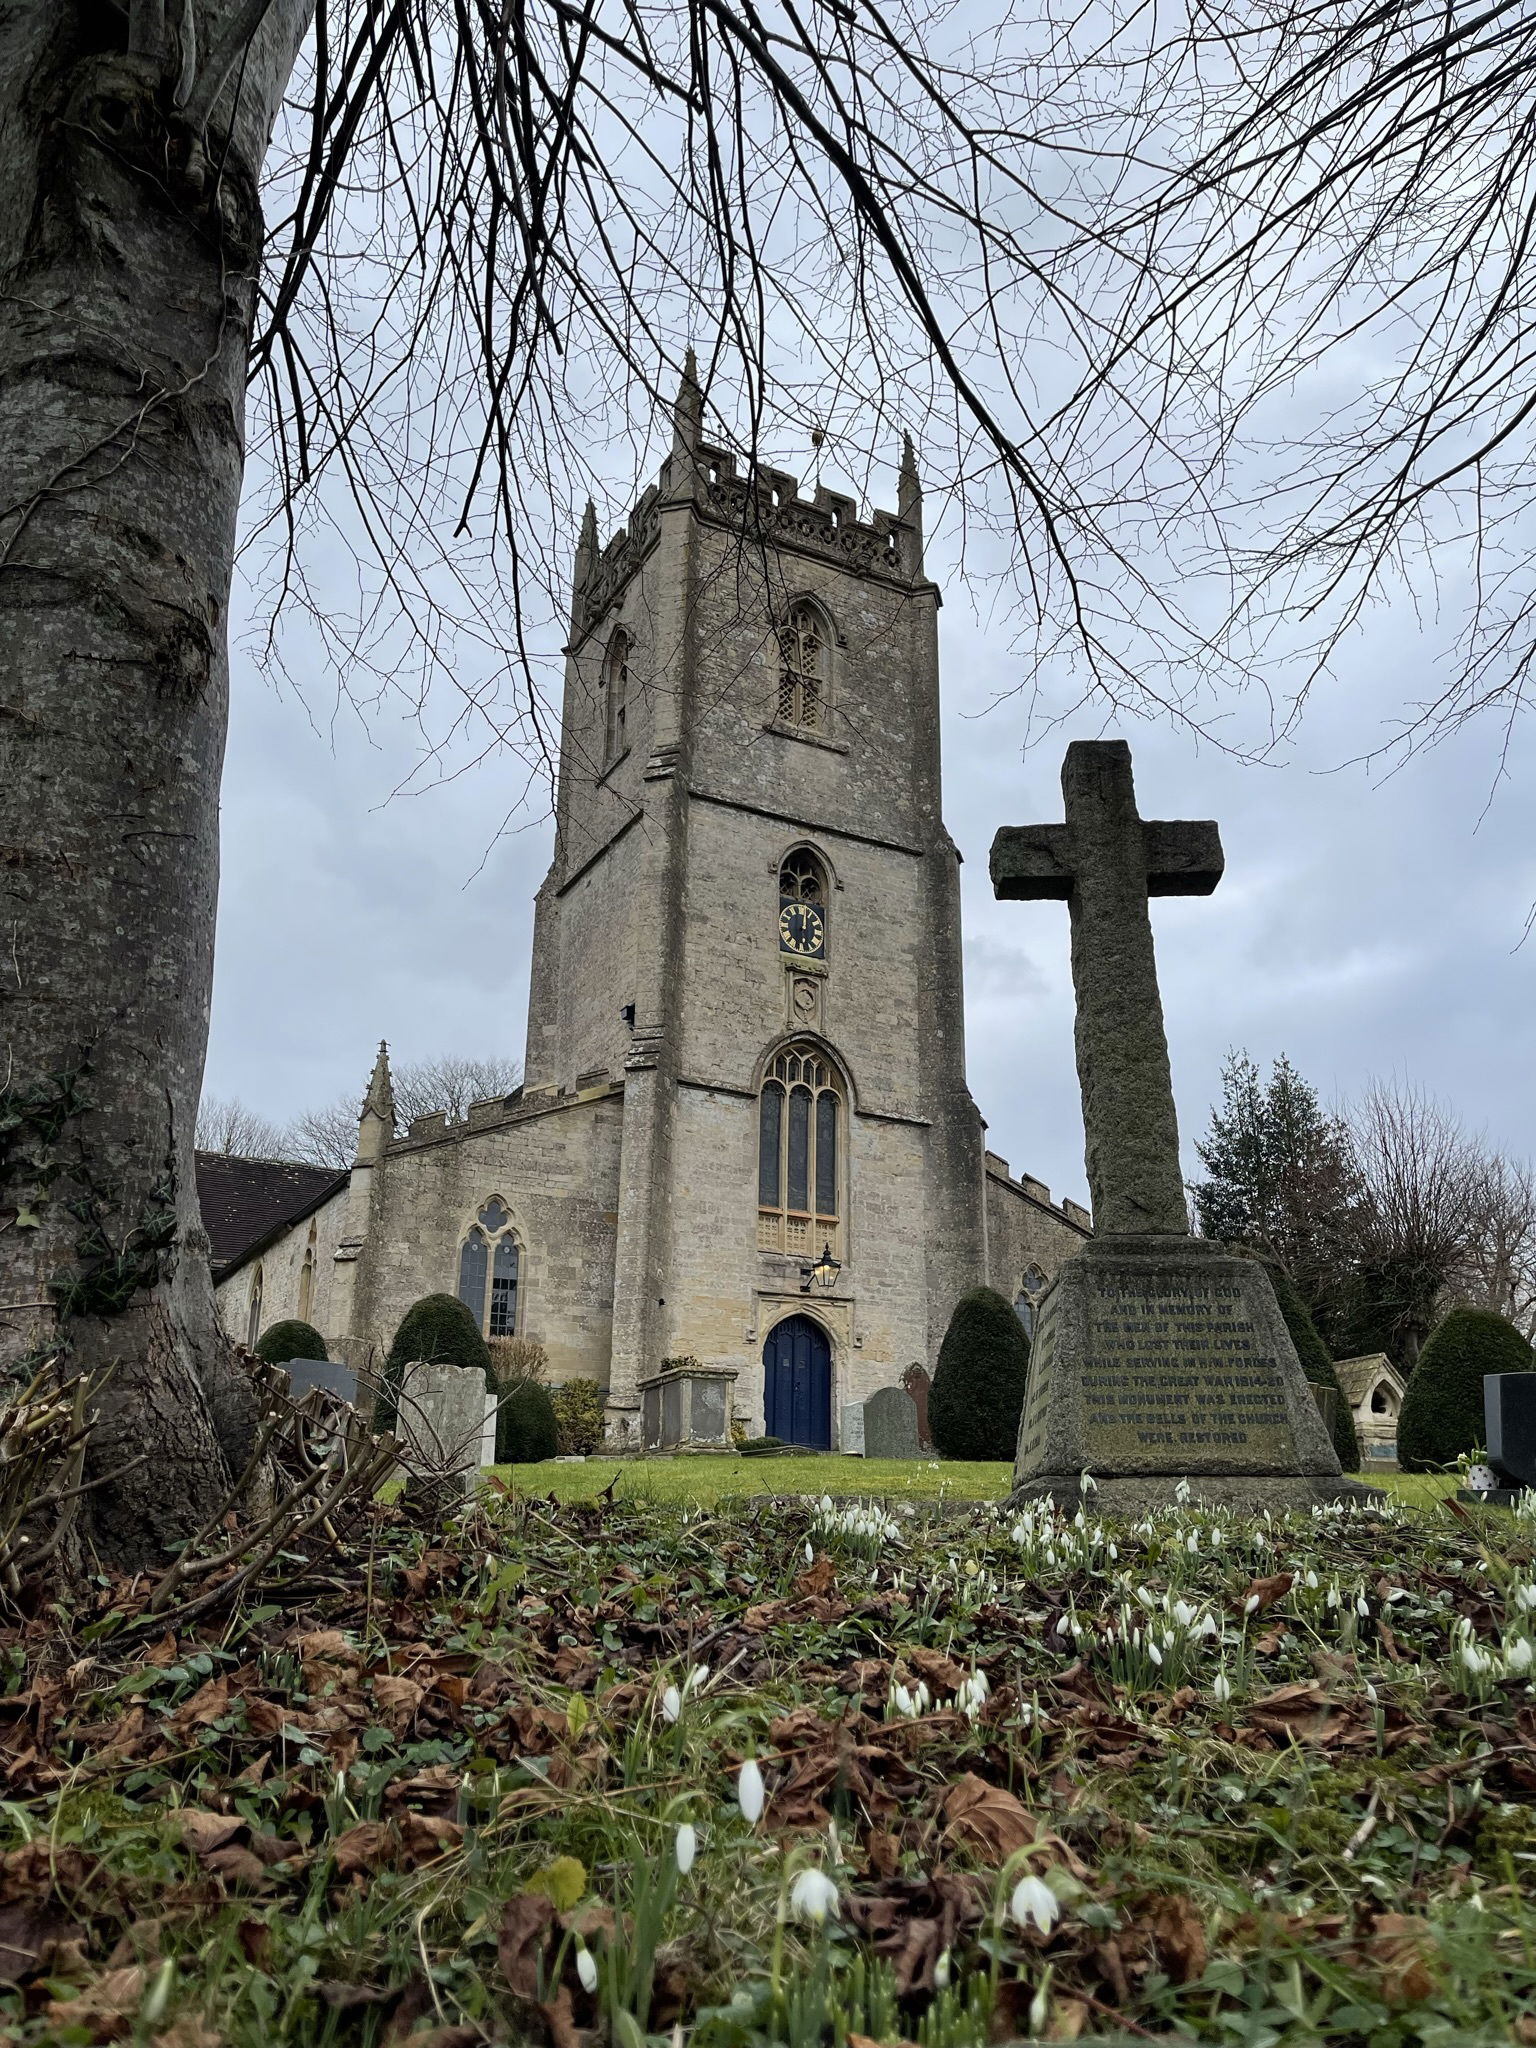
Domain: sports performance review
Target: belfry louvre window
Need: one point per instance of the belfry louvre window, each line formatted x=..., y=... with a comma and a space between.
x=803, y=670
x=798, y=1192
x=616, y=696
x=490, y=1266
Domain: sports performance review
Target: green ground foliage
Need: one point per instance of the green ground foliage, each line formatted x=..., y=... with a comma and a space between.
x=580, y=1410
x=1316, y=1362
x=1270, y=1784
x=440, y=1329
x=977, y=1394
x=526, y=1429
x=290, y=1339
x=1442, y=1412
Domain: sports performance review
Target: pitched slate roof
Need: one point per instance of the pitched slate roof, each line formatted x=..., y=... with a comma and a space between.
x=246, y=1203
x=1357, y=1376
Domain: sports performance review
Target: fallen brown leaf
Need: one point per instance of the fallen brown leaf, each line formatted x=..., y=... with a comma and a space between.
x=526, y=1921
x=1179, y=1934
x=364, y=1847
x=988, y=1819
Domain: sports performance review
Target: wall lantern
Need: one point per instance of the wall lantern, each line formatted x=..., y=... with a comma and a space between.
x=823, y=1273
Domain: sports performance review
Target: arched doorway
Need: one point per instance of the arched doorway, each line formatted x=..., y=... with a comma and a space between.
x=797, y=1384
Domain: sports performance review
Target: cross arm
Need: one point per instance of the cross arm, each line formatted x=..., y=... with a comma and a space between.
x=1184, y=856
x=1031, y=864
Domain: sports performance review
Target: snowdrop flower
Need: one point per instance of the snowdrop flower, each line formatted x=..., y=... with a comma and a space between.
x=1183, y=1613
x=1518, y=1657
x=941, y=1972
x=972, y=1694
x=904, y=1703
x=1154, y=1652
x=1333, y=1596
x=1146, y=1596
x=1362, y=1606
x=810, y=1555
x=1221, y=1688
x=812, y=1897
x=586, y=1968
x=1371, y=1693
x=687, y=1847
x=1310, y=1581
x=1181, y=1492
x=1525, y=1598
x=749, y=1792
x=1034, y=1901
x=671, y=1703
x=697, y=1677
x=1251, y=1604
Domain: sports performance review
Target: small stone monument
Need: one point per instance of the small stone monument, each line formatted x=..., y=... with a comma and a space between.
x=1509, y=1420
x=850, y=1435
x=304, y=1373
x=890, y=1424
x=687, y=1407
x=447, y=1425
x=1156, y=1356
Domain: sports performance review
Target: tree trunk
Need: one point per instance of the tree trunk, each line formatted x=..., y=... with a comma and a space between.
x=127, y=284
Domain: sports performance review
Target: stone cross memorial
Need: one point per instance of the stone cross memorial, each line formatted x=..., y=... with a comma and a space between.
x=1156, y=1355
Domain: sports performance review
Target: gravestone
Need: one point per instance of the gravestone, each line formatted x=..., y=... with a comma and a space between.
x=917, y=1384
x=890, y=1425
x=447, y=1424
x=1156, y=1356
x=850, y=1434
x=1509, y=1418
x=304, y=1373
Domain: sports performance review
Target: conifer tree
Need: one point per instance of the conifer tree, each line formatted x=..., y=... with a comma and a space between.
x=978, y=1387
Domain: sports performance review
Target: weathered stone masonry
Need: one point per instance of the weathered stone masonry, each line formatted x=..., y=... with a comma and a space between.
x=662, y=990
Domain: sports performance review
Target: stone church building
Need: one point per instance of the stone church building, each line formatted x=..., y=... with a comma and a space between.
x=746, y=1041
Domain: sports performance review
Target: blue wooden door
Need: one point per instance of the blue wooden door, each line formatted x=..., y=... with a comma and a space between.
x=797, y=1384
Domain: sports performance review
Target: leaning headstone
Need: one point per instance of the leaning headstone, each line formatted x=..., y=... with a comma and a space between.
x=304, y=1373
x=1156, y=1356
x=890, y=1425
x=447, y=1419
x=1509, y=1418
x=850, y=1435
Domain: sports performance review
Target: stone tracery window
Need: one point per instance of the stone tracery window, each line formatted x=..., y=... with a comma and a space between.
x=798, y=1178
x=616, y=696
x=253, y=1319
x=1027, y=1301
x=803, y=650
x=490, y=1270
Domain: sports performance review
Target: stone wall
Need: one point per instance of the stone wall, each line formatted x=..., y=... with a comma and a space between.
x=556, y=1168
x=1026, y=1228
x=281, y=1267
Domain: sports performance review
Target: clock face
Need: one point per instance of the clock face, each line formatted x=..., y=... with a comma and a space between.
x=801, y=929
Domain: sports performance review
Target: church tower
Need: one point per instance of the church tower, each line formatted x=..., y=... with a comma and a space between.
x=751, y=922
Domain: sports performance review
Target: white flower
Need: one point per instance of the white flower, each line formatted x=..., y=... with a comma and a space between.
x=1183, y=1613
x=671, y=1703
x=586, y=1968
x=1181, y=1492
x=941, y=1971
x=812, y=1897
x=687, y=1847
x=810, y=1555
x=697, y=1678
x=1221, y=1688
x=1034, y=1900
x=1362, y=1606
x=1518, y=1657
x=749, y=1792
x=1310, y=1581
x=1154, y=1652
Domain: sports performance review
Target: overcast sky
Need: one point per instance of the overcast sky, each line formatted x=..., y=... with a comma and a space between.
x=1366, y=924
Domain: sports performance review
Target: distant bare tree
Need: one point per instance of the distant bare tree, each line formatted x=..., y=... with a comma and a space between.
x=328, y=1136
x=1500, y=1272
x=224, y=1124
x=1425, y=1207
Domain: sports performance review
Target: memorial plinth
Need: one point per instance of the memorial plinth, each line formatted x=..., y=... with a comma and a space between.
x=1157, y=1356
x=1157, y=1359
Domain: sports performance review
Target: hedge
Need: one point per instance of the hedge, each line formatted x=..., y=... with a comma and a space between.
x=290, y=1339
x=1442, y=1412
x=977, y=1394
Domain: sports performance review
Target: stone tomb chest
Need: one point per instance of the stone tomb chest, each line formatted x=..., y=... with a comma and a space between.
x=687, y=1408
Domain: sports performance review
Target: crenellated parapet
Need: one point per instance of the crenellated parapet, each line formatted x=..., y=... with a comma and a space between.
x=763, y=506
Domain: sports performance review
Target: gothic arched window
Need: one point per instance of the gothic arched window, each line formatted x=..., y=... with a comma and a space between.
x=253, y=1319
x=307, y=1285
x=616, y=696
x=1027, y=1301
x=798, y=1170
x=803, y=905
x=803, y=662
x=490, y=1266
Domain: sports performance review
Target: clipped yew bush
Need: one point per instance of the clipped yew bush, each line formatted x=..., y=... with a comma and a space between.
x=290, y=1339
x=977, y=1393
x=580, y=1417
x=526, y=1430
x=440, y=1330
x=1442, y=1412
x=1316, y=1362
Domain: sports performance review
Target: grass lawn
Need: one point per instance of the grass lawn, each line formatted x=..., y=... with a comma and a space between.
x=710, y=1480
